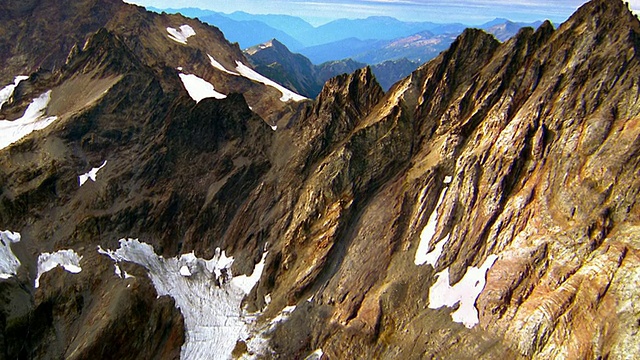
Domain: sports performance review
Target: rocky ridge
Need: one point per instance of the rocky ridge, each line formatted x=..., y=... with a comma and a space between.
x=144, y=34
x=513, y=162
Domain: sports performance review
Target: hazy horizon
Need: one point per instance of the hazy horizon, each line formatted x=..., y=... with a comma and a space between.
x=318, y=12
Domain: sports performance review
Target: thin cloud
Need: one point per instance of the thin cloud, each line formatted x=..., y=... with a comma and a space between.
x=464, y=11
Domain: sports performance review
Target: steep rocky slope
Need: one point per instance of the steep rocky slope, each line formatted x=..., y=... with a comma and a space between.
x=42, y=34
x=484, y=207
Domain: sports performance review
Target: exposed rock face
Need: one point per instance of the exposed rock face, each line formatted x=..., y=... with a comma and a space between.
x=527, y=151
x=43, y=35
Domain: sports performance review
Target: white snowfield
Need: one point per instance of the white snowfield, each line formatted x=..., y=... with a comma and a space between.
x=432, y=257
x=7, y=91
x=465, y=292
x=199, y=88
x=247, y=72
x=182, y=34
x=219, y=66
x=423, y=256
x=251, y=74
x=9, y=263
x=32, y=120
x=68, y=259
x=91, y=175
x=205, y=291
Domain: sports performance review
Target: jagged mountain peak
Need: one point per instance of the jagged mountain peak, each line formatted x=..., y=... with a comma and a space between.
x=603, y=8
x=472, y=44
x=103, y=53
x=545, y=27
x=359, y=87
x=598, y=17
x=276, y=43
x=272, y=45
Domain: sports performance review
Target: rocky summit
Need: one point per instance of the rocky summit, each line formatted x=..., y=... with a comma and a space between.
x=160, y=199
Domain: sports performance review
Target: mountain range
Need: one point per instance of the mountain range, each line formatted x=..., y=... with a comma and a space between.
x=161, y=199
x=372, y=40
x=393, y=48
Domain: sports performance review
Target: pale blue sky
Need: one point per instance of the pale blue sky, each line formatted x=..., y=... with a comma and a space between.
x=464, y=11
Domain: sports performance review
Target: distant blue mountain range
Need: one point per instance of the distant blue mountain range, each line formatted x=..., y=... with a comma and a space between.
x=246, y=30
x=372, y=40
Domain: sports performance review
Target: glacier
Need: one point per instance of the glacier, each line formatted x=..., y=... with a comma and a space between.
x=9, y=263
x=207, y=294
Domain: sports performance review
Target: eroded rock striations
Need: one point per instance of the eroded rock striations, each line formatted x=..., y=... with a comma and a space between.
x=506, y=171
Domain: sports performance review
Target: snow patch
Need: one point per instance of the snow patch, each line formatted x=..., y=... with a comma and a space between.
x=432, y=257
x=316, y=355
x=68, y=259
x=246, y=283
x=465, y=292
x=91, y=175
x=219, y=66
x=209, y=299
x=116, y=264
x=181, y=35
x=251, y=74
x=199, y=88
x=422, y=254
x=7, y=91
x=32, y=120
x=283, y=316
x=274, y=127
x=258, y=341
x=122, y=274
x=9, y=263
x=184, y=271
